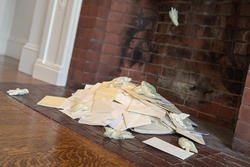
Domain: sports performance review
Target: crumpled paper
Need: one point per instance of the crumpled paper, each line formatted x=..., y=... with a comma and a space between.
x=116, y=134
x=18, y=91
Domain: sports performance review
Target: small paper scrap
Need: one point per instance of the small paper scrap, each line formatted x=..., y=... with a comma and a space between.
x=173, y=14
x=168, y=148
x=52, y=101
x=18, y=91
x=116, y=134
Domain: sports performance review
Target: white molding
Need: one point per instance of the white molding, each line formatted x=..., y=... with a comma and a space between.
x=28, y=57
x=14, y=47
x=68, y=40
x=18, y=40
x=46, y=72
x=56, y=48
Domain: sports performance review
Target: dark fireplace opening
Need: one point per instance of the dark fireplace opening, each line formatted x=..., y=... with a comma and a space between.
x=200, y=65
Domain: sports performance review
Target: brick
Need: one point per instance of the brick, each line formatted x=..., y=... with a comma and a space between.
x=88, y=78
x=88, y=44
x=240, y=146
x=246, y=96
x=233, y=159
x=108, y=70
x=225, y=99
x=240, y=48
x=154, y=69
x=151, y=79
x=114, y=28
x=115, y=16
x=113, y=38
x=196, y=162
x=212, y=162
x=77, y=75
x=94, y=12
x=209, y=57
x=87, y=55
x=91, y=33
x=201, y=19
x=178, y=52
x=217, y=110
x=244, y=114
x=243, y=22
x=90, y=22
x=111, y=49
x=137, y=75
x=248, y=80
x=171, y=96
x=109, y=59
x=119, y=6
x=244, y=10
x=242, y=131
x=185, y=109
x=207, y=32
x=95, y=3
x=221, y=46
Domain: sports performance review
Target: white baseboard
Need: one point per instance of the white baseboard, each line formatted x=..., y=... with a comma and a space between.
x=28, y=58
x=47, y=72
x=14, y=47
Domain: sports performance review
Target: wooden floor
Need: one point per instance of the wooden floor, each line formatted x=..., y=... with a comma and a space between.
x=32, y=135
x=28, y=138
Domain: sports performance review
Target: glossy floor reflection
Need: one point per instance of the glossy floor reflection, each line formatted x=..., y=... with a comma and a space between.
x=28, y=138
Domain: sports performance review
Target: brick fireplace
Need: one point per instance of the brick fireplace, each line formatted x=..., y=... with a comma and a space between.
x=200, y=66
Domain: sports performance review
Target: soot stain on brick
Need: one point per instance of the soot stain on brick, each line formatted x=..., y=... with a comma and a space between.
x=137, y=55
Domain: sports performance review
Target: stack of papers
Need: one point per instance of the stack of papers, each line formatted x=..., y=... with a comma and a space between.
x=122, y=105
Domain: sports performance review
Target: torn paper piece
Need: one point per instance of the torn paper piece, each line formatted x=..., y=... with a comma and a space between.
x=121, y=126
x=147, y=89
x=173, y=14
x=168, y=148
x=139, y=107
x=107, y=106
x=74, y=115
x=123, y=98
x=100, y=118
x=187, y=145
x=52, y=101
x=18, y=91
x=135, y=120
x=79, y=107
x=121, y=82
x=156, y=127
x=197, y=137
x=116, y=134
x=106, y=93
x=179, y=120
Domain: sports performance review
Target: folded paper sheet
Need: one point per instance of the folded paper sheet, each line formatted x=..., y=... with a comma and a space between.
x=52, y=101
x=168, y=148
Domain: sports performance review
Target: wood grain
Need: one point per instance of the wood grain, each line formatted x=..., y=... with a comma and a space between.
x=28, y=138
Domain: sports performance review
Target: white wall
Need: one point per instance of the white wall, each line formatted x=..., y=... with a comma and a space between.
x=7, y=10
x=20, y=27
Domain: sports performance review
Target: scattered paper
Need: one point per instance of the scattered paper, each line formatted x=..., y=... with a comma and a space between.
x=52, y=101
x=124, y=105
x=116, y=134
x=18, y=91
x=168, y=148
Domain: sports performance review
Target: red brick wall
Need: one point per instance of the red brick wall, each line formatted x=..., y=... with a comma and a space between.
x=200, y=65
x=241, y=140
x=113, y=39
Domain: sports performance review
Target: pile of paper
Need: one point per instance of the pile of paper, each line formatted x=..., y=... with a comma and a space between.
x=122, y=105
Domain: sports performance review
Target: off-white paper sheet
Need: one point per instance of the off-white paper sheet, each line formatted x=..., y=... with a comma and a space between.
x=52, y=101
x=168, y=148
